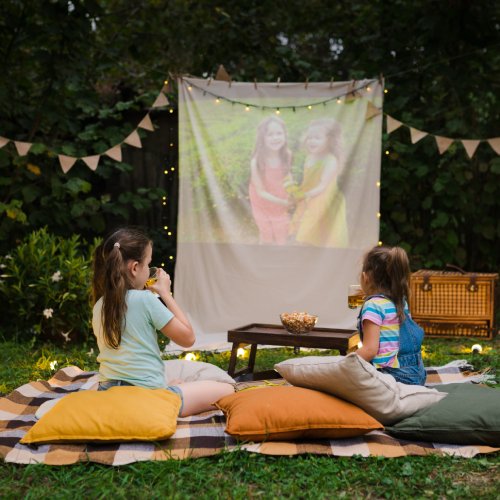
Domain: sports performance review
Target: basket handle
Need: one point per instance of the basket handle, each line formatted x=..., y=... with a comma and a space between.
x=459, y=269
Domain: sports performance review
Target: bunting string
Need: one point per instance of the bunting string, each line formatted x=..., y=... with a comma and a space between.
x=92, y=161
x=353, y=91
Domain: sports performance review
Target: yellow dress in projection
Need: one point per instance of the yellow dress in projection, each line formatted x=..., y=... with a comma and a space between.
x=321, y=220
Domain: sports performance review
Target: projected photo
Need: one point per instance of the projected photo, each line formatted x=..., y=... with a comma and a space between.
x=271, y=170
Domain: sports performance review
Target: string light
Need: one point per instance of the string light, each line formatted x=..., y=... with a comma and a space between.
x=247, y=108
x=171, y=110
x=378, y=184
x=171, y=257
x=386, y=151
x=165, y=82
x=170, y=233
x=309, y=107
x=190, y=88
x=368, y=88
x=339, y=100
x=379, y=243
x=278, y=111
x=476, y=349
x=241, y=353
x=172, y=168
x=165, y=227
x=378, y=215
x=217, y=101
x=190, y=356
x=165, y=172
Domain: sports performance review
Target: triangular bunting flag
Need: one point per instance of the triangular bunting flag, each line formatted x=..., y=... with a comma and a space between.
x=66, y=162
x=443, y=143
x=416, y=135
x=372, y=110
x=115, y=152
x=470, y=146
x=3, y=142
x=392, y=124
x=161, y=100
x=146, y=124
x=495, y=144
x=134, y=140
x=91, y=161
x=222, y=74
x=23, y=147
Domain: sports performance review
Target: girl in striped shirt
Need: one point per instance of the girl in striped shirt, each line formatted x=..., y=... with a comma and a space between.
x=392, y=341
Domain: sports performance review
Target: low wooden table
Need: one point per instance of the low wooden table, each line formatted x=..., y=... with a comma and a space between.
x=256, y=333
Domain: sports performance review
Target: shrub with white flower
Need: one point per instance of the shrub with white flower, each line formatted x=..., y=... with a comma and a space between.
x=45, y=284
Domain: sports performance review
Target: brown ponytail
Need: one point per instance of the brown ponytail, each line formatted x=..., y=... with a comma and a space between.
x=111, y=279
x=388, y=272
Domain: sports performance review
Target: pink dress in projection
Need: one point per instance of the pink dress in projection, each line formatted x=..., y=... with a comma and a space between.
x=271, y=218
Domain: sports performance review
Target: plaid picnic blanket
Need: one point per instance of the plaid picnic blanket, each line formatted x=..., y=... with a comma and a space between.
x=196, y=436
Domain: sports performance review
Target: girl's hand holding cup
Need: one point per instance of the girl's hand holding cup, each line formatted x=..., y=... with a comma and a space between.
x=158, y=281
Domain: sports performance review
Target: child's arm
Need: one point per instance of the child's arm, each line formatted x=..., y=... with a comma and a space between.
x=259, y=186
x=329, y=172
x=179, y=328
x=371, y=339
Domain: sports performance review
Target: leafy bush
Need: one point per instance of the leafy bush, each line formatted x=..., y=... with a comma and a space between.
x=45, y=288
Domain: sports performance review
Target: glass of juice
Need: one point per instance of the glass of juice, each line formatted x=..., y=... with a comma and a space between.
x=152, y=276
x=355, y=296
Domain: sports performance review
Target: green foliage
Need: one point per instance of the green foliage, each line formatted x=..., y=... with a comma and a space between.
x=45, y=287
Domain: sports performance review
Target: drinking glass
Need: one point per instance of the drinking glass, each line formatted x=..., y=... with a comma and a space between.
x=355, y=296
x=152, y=276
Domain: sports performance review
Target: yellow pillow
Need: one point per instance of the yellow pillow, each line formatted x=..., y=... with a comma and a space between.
x=283, y=413
x=122, y=413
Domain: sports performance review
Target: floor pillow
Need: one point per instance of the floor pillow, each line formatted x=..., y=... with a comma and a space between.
x=357, y=381
x=470, y=414
x=191, y=371
x=284, y=413
x=122, y=413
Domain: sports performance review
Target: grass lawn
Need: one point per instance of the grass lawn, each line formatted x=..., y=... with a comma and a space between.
x=242, y=474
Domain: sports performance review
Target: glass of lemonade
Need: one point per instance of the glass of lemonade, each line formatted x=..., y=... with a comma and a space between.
x=152, y=276
x=355, y=296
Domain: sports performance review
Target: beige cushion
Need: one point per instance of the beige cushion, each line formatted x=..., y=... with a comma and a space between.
x=353, y=379
x=191, y=371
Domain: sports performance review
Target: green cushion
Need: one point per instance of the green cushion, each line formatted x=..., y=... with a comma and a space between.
x=470, y=414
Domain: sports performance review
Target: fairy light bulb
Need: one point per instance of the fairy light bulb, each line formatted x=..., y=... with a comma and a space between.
x=339, y=101
x=278, y=111
x=165, y=82
x=190, y=88
x=309, y=107
x=368, y=88
x=378, y=184
x=190, y=356
x=171, y=110
x=171, y=257
x=476, y=349
x=378, y=215
x=172, y=168
x=386, y=91
x=386, y=151
x=240, y=353
x=165, y=172
x=247, y=108
x=170, y=233
x=217, y=101
x=380, y=243
x=165, y=227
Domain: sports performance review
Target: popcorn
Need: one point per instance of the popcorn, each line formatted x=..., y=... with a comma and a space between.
x=298, y=322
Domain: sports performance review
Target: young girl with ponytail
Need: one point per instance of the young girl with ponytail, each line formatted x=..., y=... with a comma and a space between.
x=392, y=341
x=126, y=318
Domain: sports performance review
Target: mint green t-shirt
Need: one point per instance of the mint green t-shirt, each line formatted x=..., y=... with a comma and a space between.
x=137, y=359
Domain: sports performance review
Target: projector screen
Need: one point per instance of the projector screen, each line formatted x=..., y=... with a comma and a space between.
x=278, y=200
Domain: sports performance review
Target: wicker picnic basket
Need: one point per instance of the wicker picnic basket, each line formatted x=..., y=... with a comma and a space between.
x=453, y=303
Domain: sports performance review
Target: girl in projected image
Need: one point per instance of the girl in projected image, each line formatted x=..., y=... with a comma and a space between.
x=320, y=216
x=270, y=166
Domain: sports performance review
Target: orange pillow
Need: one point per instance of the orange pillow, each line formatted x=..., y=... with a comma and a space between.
x=284, y=413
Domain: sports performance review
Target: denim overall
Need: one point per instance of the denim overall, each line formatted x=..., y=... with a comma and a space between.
x=411, y=367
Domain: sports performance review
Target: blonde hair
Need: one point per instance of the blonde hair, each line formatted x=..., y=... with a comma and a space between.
x=259, y=151
x=333, y=132
x=111, y=278
x=388, y=272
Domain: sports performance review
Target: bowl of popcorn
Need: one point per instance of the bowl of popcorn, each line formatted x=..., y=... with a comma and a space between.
x=298, y=322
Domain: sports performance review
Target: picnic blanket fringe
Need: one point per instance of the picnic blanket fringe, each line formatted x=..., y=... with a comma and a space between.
x=199, y=435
